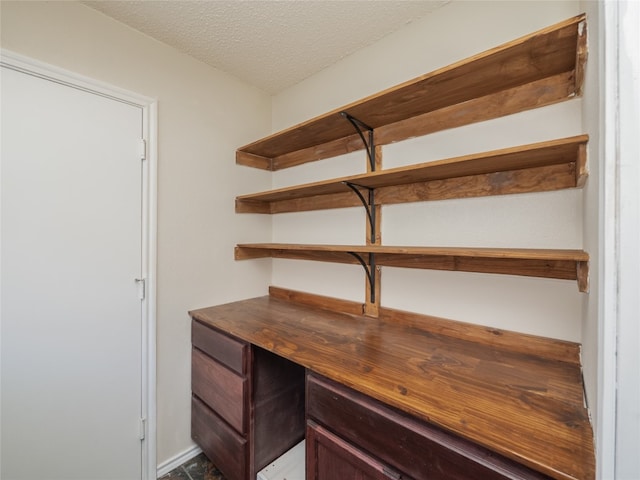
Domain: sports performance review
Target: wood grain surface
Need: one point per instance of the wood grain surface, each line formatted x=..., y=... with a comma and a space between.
x=545, y=263
x=519, y=404
x=538, y=69
x=525, y=168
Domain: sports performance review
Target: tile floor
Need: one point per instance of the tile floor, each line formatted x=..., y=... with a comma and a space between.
x=198, y=468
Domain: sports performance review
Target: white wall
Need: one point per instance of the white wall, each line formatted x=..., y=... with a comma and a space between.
x=552, y=308
x=204, y=115
x=598, y=231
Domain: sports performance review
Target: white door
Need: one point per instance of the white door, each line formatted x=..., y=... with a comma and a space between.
x=71, y=309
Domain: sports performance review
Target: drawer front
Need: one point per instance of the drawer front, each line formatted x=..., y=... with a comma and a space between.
x=328, y=457
x=223, y=348
x=421, y=451
x=221, y=389
x=224, y=447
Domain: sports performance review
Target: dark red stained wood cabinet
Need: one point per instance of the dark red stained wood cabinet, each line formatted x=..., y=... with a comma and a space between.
x=328, y=456
x=351, y=435
x=426, y=398
x=221, y=443
x=247, y=403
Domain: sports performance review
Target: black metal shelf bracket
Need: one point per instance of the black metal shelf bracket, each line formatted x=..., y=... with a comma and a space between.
x=370, y=271
x=369, y=145
x=368, y=204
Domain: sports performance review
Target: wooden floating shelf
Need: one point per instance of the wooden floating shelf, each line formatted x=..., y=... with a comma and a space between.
x=544, y=166
x=560, y=264
x=539, y=69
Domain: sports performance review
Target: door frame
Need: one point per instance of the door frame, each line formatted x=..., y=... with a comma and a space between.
x=618, y=427
x=149, y=107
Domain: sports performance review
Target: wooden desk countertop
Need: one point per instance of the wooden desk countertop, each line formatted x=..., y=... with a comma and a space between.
x=523, y=406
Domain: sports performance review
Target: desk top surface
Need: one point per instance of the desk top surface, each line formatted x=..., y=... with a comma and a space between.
x=523, y=406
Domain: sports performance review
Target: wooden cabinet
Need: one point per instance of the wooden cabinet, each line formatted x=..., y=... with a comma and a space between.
x=330, y=457
x=426, y=394
x=247, y=403
x=348, y=432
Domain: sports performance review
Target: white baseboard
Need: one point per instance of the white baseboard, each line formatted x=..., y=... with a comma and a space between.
x=174, y=462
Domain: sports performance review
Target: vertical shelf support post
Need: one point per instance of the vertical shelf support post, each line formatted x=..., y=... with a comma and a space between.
x=370, y=271
x=369, y=145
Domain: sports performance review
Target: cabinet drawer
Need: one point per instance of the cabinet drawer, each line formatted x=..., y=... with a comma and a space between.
x=414, y=447
x=329, y=457
x=223, y=348
x=224, y=447
x=220, y=388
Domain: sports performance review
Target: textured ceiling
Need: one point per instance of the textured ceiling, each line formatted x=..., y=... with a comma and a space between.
x=272, y=44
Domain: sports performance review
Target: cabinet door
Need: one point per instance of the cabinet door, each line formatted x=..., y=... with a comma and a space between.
x=331, y=458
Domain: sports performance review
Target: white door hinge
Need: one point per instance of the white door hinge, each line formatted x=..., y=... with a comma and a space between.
x=143, y=426
x=142, y=284
x=142, y=149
